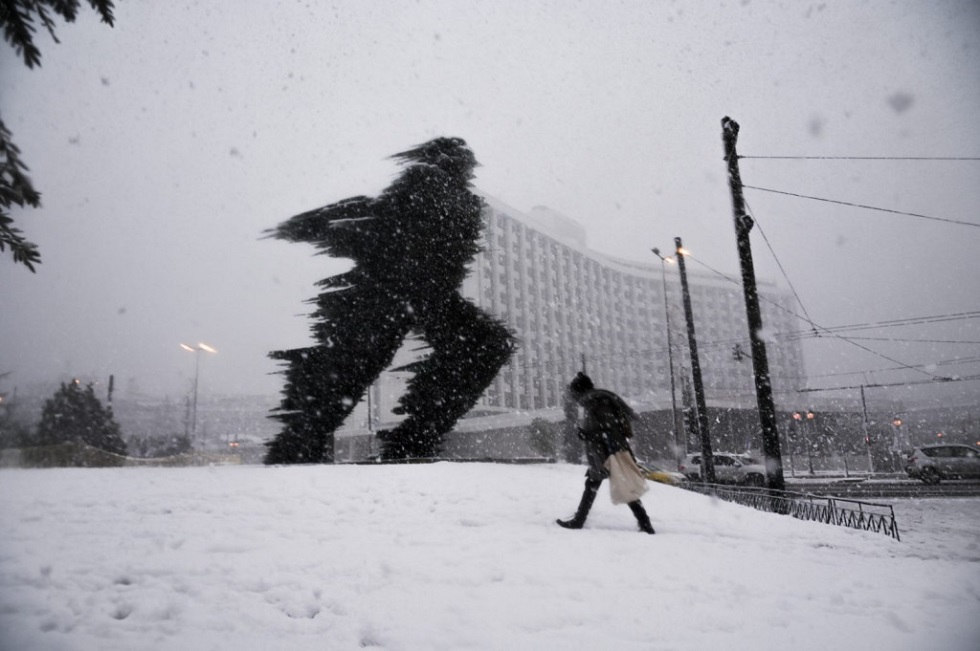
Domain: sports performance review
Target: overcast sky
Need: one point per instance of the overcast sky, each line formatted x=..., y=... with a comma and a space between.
x=165, y=145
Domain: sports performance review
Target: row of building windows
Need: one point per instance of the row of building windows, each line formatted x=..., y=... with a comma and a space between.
x=566, y=304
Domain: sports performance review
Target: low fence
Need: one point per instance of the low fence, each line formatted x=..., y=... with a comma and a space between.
x=855, y=514
x=75, y=454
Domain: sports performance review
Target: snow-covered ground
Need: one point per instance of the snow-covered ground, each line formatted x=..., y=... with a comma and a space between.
x=457, y=556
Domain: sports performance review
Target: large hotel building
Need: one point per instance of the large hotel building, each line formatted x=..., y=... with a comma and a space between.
x=572, y=308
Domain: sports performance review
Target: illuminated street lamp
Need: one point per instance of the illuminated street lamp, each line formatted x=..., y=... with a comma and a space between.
x=670, y=357
x=809, y=416
x=197, y=375
x=707, y=458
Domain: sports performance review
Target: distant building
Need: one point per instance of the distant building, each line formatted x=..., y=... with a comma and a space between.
x=571, y=306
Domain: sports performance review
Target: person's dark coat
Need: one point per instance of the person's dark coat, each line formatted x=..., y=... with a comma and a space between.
x=604, y=428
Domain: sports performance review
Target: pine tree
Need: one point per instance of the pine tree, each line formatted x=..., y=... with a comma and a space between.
x=15, y=189
x=17, y=20
x=74, y=413
x=14, y=432
x=411, y=247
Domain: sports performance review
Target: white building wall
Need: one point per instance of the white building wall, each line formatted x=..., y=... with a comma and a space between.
x=566, y=302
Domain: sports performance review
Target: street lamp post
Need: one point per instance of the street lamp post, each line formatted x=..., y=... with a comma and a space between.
x=897, y=444
x=707, y=459
x=197, y=374
x=789, y=450
x=809, y=458
x=670, y=358
x=799, y=418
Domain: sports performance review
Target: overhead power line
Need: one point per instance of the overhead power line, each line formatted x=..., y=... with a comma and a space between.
x=865, y=206
x=779, y=263
x=820, y=328
x=875, y=385
x=945, y=362
x=894, y=323
x=948, y=158
x=918, y=341
x=817, y=331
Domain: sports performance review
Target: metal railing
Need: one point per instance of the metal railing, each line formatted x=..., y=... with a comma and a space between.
x=855, y=514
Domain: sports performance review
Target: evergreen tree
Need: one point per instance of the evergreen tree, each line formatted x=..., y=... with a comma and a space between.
x=17, y=20
x=411, y=247
x=14, y=432
x=15, y=189
x=74, y=413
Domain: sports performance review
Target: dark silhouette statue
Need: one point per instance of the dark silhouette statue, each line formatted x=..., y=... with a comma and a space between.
x=411, y=246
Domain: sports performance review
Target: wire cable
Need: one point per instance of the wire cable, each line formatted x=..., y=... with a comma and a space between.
x=945, y=362
x=895, y=323
x=917, y=341
x=945, y=158
x=778, y=261
x=865, y=206
x=875, y=385
x=821, y=328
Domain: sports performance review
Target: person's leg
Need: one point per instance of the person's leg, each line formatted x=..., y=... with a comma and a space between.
x=641, y=516
x=585, y=505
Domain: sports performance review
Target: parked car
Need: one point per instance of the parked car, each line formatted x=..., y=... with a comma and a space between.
x=662, y=475
x=729, y=469
x=932, y=463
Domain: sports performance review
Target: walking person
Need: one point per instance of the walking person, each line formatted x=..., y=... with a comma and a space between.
x=606, y=429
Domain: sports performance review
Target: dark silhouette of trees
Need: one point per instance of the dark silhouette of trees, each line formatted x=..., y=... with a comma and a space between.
x=411, y=247
x=17, y=18
x=14, y=431
x=74, y=413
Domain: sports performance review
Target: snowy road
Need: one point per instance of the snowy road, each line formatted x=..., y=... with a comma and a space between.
x=869, y=489
x=940, y=525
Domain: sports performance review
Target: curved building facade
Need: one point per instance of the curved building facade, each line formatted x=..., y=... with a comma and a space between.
x=574, y=308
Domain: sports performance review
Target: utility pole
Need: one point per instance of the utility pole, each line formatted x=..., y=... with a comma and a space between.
x=670, y=361
x=760, y=362
x=707, y=459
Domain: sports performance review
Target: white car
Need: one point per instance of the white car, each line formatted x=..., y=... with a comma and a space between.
x=932, y=463
x=729, y=469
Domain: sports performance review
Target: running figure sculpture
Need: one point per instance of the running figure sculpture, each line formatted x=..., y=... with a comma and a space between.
x=411, y=246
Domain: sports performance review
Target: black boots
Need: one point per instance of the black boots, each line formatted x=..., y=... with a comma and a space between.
x=584, y=506
x=642, y=518
x=588, y=497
